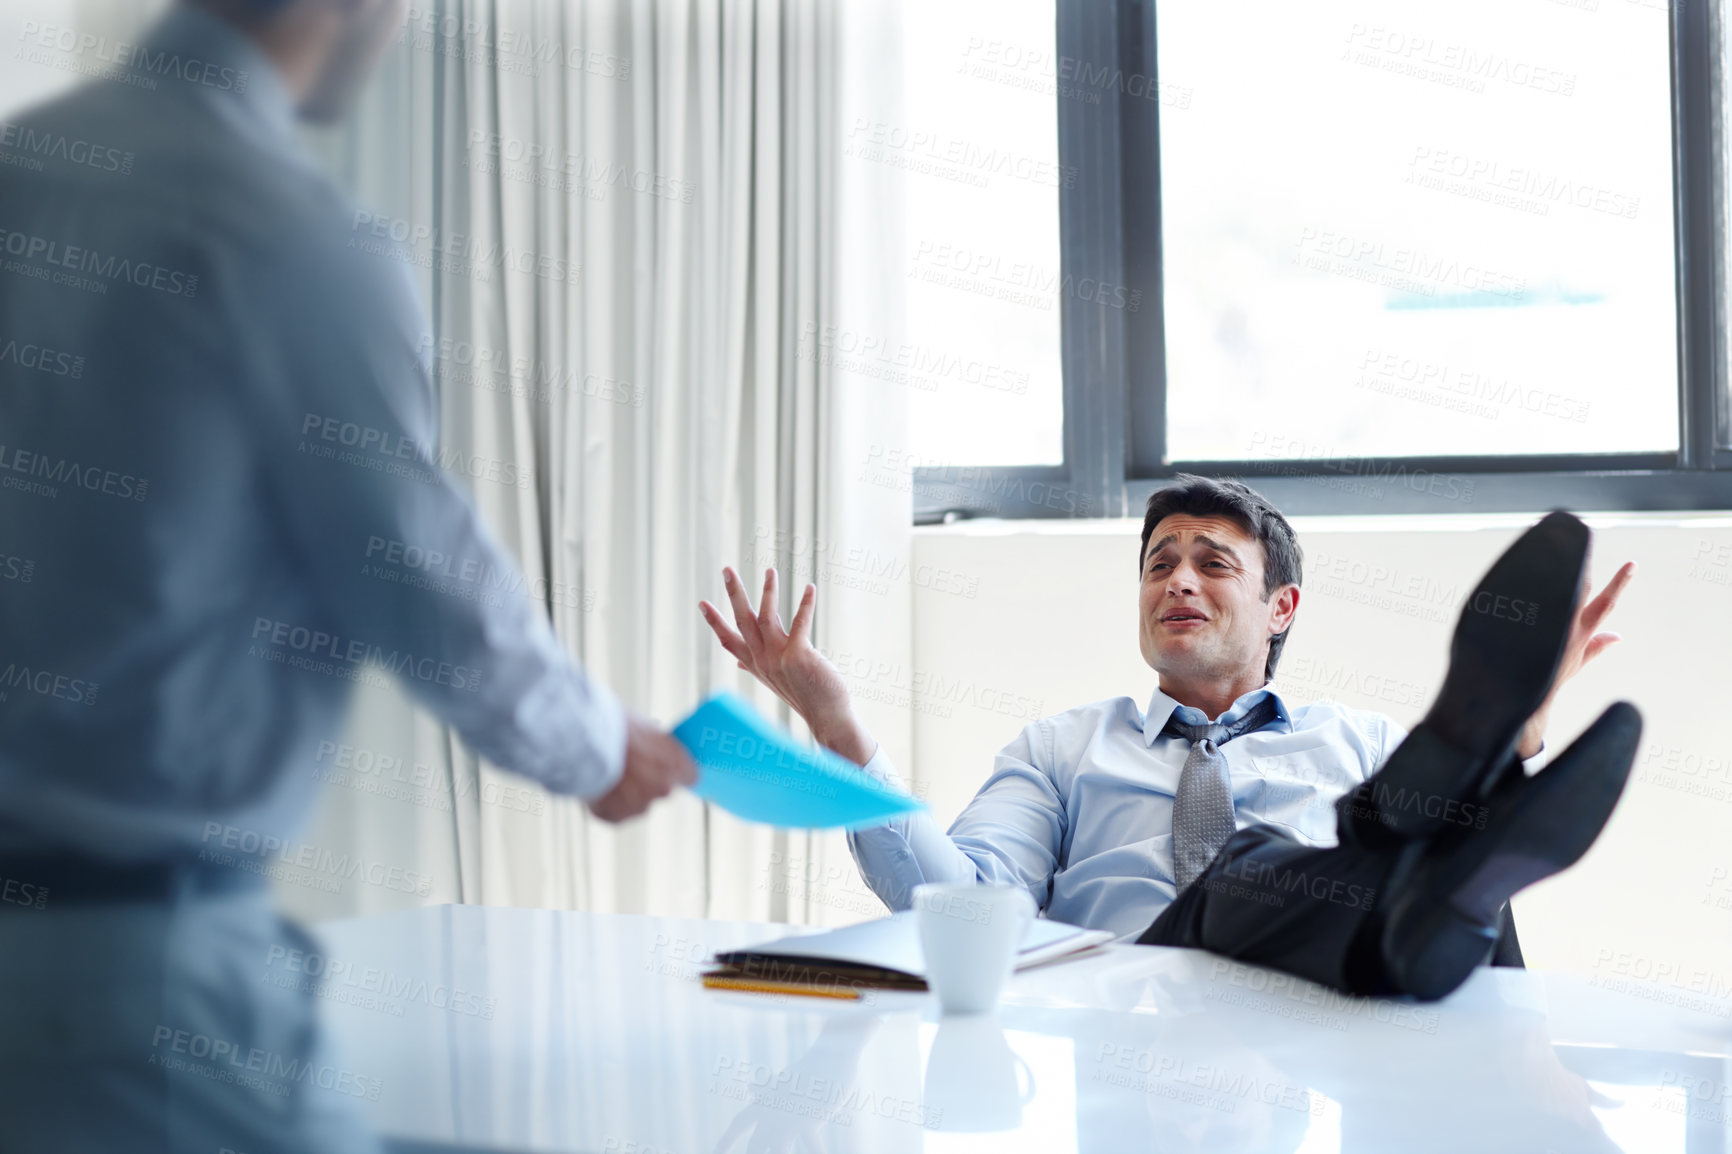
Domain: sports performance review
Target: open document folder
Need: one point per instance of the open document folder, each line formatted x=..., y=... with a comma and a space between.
x=760, y=773
x=885, y=953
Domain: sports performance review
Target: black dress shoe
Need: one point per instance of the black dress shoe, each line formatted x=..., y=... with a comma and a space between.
x=1443, y=914
x=1507, y=646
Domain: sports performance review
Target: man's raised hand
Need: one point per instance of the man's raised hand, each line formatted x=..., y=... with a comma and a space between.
x=1586, y=642
x=785, y=660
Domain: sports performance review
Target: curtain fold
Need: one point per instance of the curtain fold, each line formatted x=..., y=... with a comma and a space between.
x=641, y=221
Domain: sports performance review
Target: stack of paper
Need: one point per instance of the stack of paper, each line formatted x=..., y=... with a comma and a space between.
x=884, y=954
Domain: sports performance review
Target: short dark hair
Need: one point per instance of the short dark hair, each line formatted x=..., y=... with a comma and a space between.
x=1194, y=496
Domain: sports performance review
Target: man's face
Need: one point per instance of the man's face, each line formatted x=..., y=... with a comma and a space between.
x=366, y=27
x=1203, y=614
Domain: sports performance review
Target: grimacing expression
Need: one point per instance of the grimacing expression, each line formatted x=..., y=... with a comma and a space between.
x=1202, y=612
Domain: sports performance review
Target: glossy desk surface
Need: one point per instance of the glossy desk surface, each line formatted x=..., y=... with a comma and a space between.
x=521, y=1030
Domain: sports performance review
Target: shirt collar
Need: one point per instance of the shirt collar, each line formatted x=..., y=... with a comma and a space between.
x=1162, y=707
x=251, y=92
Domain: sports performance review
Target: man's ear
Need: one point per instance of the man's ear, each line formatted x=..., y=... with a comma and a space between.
x=1283, y=607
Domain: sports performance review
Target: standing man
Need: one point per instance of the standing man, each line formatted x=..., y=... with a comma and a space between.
x=216, y=421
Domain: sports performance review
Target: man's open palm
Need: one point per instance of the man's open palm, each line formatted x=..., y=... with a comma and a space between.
x=1587, y=641
x=782, y=659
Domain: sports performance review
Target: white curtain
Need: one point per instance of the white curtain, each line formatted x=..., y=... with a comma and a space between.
x=641, y=228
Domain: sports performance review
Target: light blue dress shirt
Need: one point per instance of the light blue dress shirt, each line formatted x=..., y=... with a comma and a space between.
x=1079, y=808
x=220, y=497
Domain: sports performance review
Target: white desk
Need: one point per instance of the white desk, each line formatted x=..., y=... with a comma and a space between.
x=533, y=1030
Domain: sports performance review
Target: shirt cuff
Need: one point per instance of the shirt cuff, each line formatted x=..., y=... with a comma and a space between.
x=879, y=767
x=605, y=723
x=882, y=852
x=609, y=727
x=1532, y=765
x=576, y=730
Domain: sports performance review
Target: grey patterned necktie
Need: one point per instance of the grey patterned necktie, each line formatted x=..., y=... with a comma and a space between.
x=1203, y=806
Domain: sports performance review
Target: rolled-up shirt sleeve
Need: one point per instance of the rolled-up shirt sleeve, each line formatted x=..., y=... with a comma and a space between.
x=404, y=573
x=1010, y=834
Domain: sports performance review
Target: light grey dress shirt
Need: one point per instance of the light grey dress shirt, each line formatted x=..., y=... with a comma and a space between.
x=1079, y=808
x=220, y=503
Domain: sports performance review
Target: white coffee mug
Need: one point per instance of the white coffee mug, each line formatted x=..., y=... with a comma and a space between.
x=969, y=935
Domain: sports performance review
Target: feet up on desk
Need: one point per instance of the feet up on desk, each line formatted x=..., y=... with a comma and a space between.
x=1444, y=919
x=1506, y=650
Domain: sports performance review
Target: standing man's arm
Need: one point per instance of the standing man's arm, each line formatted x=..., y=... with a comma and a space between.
x=404, y=572
x=1011, y=833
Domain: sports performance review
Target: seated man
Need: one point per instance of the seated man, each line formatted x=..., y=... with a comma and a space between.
x=1107, y=813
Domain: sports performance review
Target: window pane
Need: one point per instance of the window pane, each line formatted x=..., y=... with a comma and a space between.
x=980, y=152
x=1418, y=229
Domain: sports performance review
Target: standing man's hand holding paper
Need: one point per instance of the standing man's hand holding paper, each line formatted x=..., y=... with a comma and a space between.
x=654, y=764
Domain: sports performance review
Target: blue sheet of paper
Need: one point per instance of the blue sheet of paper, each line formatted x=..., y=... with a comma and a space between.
x=759, y=772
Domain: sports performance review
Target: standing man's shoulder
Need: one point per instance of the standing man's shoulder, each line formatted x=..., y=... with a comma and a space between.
x=172, y=156
x=184, y=180
x=313, y=298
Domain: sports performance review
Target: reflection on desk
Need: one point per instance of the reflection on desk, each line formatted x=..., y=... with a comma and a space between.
x=535, y=1030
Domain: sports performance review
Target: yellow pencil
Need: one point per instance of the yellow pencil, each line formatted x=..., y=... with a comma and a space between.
x=754, y=986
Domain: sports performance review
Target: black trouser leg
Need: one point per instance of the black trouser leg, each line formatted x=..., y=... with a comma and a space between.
x=1271, y=900
x=1180, y=924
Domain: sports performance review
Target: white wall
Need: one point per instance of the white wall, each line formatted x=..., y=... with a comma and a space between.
x=1051, y=623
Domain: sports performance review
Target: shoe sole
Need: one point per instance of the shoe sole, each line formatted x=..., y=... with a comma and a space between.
x=1447, y=922
x=1503, y=655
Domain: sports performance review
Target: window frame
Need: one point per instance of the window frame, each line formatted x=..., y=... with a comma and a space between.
x=1115, y=436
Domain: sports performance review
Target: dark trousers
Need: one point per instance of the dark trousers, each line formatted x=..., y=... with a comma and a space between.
x=1271, y=900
